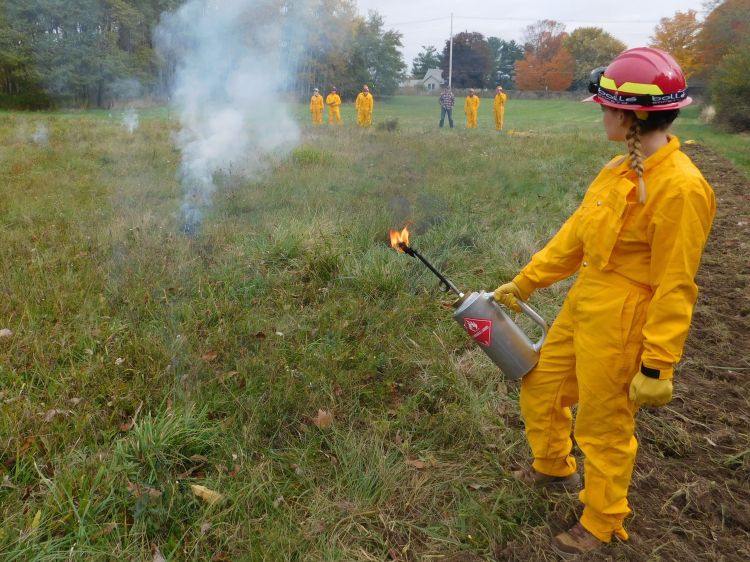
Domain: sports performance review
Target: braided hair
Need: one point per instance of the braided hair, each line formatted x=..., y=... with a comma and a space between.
x=645, y=122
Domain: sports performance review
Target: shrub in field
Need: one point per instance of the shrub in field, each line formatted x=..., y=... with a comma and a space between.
x=164, y=443
x=309, y=156
x=389, y=125
x=731, y=89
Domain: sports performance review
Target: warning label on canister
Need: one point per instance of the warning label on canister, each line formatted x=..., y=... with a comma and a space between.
x=480, y=329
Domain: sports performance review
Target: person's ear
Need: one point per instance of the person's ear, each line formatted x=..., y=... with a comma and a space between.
x=625, y=118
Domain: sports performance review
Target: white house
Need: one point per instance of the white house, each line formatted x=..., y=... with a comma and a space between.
x=432, y=81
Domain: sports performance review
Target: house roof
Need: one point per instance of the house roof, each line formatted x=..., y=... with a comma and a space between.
x=433, y=73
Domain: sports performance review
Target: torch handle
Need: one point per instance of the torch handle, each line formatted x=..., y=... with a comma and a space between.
x=535, y=317
x=443, y=279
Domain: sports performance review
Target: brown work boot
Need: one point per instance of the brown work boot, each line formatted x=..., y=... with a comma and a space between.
x=531, y=477
x=575, y=541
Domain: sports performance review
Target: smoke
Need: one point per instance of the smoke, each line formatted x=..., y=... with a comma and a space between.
x=232, y=60
x=41, y=135
x=130, y=120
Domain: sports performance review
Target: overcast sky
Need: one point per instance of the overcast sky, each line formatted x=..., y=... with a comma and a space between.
x=427, y=22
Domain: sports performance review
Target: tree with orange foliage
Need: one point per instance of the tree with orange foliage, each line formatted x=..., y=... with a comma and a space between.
x=678, y=36
x=547, y=64
x=724, y=29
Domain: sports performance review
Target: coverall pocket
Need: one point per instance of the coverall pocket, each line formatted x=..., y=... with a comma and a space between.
x=602, y=222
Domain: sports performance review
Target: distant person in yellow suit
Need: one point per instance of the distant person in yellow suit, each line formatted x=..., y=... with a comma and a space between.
x=471, y=108
x=316, y=107
x=333, y=101
x=364, y=105
x=636, y=242
x=499, y=107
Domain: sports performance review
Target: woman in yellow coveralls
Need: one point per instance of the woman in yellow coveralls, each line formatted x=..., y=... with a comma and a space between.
x=499, y=107
x=316, y=107
x=471, y=108
x=636, y=242
x=333, y=101
x=364, y=104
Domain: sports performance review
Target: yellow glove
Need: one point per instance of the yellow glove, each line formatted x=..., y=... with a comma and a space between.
x=649, y=391
x=509, y=295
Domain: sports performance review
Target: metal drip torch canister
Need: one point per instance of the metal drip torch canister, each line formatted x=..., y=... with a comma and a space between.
x=486, y=321
x=497, y=335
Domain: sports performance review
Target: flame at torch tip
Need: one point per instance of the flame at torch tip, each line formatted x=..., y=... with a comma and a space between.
x=399, y=239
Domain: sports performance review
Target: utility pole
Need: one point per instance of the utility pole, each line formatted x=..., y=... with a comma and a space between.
x=450, y=56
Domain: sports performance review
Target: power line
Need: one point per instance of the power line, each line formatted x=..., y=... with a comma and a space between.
x=446, y=18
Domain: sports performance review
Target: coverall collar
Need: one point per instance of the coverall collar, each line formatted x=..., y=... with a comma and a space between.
x=622, y=166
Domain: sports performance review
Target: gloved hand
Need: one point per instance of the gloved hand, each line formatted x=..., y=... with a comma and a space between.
x=647, y=391
x=508, y=295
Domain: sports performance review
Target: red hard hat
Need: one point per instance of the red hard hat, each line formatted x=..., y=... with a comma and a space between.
x=641, y=79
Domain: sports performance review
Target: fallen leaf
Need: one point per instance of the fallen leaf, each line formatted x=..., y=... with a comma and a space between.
x=278, y=501
x=198, y=459
x=127, y=426
x=104, y=531
x=228, y=375
x=36, y=521
x=139, y=490
x=316, y=526
x=260, y=336
x=478, y=486
x=119, y=361
x=220, y=557
x=209, y=356
x=209, y=496
x=6, y=333
x=75, y=401
x=346, y=506
x=158, y=556
x=323, y=420
x=206, y=527
x=416, y=463
x=235, y=471
x=52, y=414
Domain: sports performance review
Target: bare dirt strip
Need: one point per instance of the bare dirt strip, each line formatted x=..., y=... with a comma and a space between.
x=691, y=487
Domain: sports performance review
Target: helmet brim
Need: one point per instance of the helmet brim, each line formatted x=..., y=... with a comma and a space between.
x=682, y=103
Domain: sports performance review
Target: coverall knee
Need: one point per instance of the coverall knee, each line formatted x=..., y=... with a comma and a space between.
x=592, y=351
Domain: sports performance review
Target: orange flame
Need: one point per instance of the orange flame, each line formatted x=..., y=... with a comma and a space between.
x=399, y=239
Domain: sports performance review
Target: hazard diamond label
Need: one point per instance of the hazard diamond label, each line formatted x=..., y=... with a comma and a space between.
x=479, y=329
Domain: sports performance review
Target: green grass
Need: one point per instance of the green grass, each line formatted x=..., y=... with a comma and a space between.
x=144, y=361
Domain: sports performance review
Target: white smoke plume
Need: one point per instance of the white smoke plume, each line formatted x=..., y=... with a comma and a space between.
x=231, y=59
x=130, y=120
x=41, y=135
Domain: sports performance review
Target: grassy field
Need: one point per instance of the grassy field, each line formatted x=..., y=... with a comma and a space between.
x=144, y=361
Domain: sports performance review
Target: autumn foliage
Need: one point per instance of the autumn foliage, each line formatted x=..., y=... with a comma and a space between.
x=556, y=74
x=547, y=63
x=678, y=36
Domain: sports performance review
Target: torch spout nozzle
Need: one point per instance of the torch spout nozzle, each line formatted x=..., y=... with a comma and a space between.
x=447, y=284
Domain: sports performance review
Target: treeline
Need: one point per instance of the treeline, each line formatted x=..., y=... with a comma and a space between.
x=713, y=53
x=92, y=53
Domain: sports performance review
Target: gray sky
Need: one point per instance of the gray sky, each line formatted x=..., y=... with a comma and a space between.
x=427, y=22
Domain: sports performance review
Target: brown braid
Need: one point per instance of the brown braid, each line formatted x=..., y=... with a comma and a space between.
x=636, y=156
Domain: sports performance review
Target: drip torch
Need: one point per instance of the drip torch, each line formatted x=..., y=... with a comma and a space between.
x=485, y=320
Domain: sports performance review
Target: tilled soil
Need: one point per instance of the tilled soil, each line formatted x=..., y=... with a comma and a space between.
x=691, y=487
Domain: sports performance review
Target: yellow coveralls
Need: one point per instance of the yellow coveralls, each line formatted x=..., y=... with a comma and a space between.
x=364, y=104
x=316, y=108
x=471, y=107
x=333, y=101
x=632, y=303
x=499, y=108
